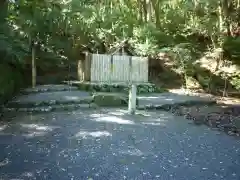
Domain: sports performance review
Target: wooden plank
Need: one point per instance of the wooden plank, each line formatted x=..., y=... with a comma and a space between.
x=101, y=69
x=140, y=69
x=120, y=72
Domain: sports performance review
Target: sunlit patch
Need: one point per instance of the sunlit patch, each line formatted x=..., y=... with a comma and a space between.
x=44, y=128
x=153, y=123
x=143, y=114
x=148, y=97
x=38, y=127
x=35, y=134
x=165, y=98
x=28, y=174
x=132, y=152
x=4, y=162
x=113, y=119
x=122, y=112
x=3, y=127
x=117, y=113
x=95, y=115
x=160, y=119
x=84, y=134
x=71, y=97
x=36, y=130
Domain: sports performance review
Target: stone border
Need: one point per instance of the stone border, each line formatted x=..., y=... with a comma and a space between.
x=42, y=90
x=167, y=107
x=52, y=108
x=48, y=103
x=116, y=87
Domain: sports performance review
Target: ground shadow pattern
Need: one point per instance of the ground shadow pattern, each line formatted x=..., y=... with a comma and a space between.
x=110, y=144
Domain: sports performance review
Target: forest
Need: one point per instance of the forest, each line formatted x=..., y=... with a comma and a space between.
x=188, y=41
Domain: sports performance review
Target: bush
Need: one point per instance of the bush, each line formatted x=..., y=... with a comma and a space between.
x=11, y=81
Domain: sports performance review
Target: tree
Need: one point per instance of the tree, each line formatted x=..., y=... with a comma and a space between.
x=56, y=32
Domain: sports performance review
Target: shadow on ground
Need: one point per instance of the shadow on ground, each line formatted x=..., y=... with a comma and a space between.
x=111, y=144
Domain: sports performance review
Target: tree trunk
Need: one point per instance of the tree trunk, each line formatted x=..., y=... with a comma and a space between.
x=3, y=11
x=144, y=5
x=226, y=8
x=141, y=12
x=149, y=10
x=156, y=8
x=220, y=18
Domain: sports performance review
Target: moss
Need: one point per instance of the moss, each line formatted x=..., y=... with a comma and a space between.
x=122, y=88
x=106, y=99
x=111, y=99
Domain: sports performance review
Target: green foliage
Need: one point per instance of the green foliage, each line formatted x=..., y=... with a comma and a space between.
x=10, y=82
x=141, y=89
x=232, y=49
x=235, y=80
x=66, y=27
x=61, y=30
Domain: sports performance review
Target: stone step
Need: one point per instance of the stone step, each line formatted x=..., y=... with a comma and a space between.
x=101, y=99
x=171, y=105
x=69, y=107
x=110, y=99
x=165, y=101
x=48, y=103
x=62, y=99
x=113, y=87
x=50, y=98
x=49, y=88
x=65, y=107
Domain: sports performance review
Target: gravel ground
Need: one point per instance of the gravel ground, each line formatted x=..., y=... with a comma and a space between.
x=221, y=116
x=224, y=116
x=108, y=144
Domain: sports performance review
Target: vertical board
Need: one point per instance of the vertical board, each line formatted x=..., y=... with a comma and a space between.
x=139, y=69
x=121, y=69
x=101, y=69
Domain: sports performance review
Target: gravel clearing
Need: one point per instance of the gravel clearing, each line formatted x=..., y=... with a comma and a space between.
x=109, y=144
x=220, y=116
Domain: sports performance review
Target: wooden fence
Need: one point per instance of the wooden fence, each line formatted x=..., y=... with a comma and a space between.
x=107, y=68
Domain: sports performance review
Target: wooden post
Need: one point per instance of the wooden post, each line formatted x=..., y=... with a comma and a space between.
x=132, y=99
x=87, y=66
x=81, y=70
x=34, y=74
x=111, y=69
